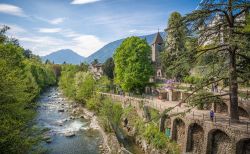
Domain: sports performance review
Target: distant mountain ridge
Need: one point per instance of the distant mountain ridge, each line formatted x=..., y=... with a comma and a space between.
x=108, y=50
x=69, y=56
x=64, y=55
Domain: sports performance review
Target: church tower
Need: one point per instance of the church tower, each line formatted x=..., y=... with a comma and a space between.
x=157, y=47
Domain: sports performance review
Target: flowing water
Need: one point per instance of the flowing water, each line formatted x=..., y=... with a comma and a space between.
x=66, y=134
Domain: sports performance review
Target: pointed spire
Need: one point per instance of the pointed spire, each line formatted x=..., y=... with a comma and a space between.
x=158, y=39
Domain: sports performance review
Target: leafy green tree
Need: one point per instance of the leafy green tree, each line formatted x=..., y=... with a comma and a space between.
x=67, y=80
x=133, y=66
x=108, y=68
x=18, y=89
x=103, y=84
x=85, y=86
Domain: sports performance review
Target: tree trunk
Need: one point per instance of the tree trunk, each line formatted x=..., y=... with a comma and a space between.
x=233, y=86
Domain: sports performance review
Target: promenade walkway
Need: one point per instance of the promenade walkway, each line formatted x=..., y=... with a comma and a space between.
x=220, y=119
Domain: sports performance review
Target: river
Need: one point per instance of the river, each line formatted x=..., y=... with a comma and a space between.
x=66, y=134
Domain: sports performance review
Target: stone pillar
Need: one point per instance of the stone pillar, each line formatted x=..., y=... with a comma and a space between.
x=206, y=142
x=162, y=123
x=170, y=95
x=187, y=135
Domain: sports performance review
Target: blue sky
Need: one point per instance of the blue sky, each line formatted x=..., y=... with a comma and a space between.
x=85, y=26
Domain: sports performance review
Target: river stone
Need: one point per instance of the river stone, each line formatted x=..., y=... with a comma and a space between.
x=61, y=110
x=69, y=134
x=48, y=141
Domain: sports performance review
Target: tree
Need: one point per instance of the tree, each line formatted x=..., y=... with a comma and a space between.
x=108, y=68
x=28, y=54
x=175, y=47
x=220, y=27
x=95, y=61
x=84, y=85
x=83, y=67
x=19, y=87
x=3, y=37
x=133, y=66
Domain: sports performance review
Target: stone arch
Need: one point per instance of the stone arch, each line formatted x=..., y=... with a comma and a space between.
x=242, y=112
x=178, y=133
x=219, y=142
x=243, y=146
x=195, y=138
x=159, y=74
x=165, y=122
x=221, y=107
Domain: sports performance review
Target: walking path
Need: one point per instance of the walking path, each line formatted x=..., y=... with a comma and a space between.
x=220, y=119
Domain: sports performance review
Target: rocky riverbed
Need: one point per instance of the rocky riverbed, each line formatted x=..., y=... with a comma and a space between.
x=69, y=128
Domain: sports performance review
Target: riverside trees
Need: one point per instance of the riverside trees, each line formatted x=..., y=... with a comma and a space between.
x=22, y=79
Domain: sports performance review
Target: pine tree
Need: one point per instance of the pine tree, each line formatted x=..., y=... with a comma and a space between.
x=175, y=47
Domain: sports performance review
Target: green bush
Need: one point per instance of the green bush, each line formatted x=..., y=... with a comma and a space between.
x=192, y=79
x=95, y=102
x=159, y=140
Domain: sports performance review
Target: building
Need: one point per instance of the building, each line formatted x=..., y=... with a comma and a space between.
x=157, y=46
x=96, y=70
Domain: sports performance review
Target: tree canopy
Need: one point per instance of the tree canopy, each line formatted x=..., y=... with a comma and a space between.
x=220, y=27
x=133, y=66
x=176, y=47
x=22, y=79
x=108, y=68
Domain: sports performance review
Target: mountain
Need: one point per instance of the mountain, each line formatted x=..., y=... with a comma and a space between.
x=108, y=50
x=64, y=55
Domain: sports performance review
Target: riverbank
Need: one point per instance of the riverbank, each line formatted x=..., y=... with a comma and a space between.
x=109, y=143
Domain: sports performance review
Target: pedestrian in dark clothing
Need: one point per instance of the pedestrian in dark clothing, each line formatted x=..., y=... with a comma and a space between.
x=212, y=115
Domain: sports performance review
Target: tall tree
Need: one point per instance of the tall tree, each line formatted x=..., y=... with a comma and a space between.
x=220, y=27
x=133, y=66
x=175, y=47
x=108, y=68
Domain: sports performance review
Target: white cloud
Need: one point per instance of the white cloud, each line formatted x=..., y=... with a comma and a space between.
x=84, y=45
x=83, y=1
x=50, y=30
x=12, y=10
x=142, y=31
x=56, y=21
x=87, y=44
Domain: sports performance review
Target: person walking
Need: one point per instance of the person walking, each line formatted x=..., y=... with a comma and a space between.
x=212, y=115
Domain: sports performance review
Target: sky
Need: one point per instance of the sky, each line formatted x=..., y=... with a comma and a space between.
x=45, y=26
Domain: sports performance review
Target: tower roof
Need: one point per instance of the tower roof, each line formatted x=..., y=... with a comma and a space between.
x=158, y=39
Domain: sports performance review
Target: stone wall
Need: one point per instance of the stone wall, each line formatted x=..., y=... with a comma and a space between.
x=195, y=139
x=178, y=132
x=203, y=137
